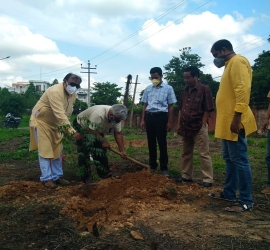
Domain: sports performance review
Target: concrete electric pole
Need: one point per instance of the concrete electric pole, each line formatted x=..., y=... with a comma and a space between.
x=88, y=72
x=133, y=99
x=129, y=79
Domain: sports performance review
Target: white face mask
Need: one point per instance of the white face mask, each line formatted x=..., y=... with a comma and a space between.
x=71, y=90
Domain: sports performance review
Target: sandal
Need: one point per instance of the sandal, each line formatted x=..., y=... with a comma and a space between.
x=219, y=196
x=238, y=208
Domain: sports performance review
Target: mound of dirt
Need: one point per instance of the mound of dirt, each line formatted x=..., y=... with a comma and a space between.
x=183, y=212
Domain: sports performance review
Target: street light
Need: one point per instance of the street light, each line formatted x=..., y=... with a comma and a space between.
x=5, y=58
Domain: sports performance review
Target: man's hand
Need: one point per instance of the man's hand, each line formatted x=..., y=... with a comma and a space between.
x=77, y=136
x=105, y=144
x=169, y=126
x=236, y=123
x=124, y=154
x=178, y=129
x=265, y=126
x=142, y=125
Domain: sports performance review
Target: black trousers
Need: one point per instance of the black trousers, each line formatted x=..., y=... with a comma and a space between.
x=156, y=132
x=98, y=154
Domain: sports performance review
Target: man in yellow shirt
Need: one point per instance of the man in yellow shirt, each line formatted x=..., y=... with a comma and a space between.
x=234, y=122
x=266, y=126
x=51, y=111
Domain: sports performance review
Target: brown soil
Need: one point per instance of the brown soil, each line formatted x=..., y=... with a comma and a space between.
x=138, y=211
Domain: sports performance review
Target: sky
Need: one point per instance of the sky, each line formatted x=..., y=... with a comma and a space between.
x=47, y=39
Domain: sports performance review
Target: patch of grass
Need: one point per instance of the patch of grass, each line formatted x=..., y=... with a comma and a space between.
x=24, y=121
x=7, y=134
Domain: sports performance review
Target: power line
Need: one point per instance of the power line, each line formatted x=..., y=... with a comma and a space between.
x=141, y=29
x=154, y=33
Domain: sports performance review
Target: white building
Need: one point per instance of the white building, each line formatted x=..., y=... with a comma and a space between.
x=82, y=94
x=21, y=87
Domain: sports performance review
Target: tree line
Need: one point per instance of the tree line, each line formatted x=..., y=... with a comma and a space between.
x=106, y=93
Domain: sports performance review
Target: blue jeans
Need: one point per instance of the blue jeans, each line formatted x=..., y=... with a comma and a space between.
x=267, y=158
x=238, y=171
x=50, y=169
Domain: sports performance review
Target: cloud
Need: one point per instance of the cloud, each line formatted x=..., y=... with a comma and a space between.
x=28, y=51
x=194, y=31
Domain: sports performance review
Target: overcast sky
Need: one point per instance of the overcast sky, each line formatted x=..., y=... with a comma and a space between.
x=46, y=39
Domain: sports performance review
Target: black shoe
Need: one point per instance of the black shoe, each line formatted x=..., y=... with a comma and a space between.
x=182, y=179
x=206, y=184
x=106, y=176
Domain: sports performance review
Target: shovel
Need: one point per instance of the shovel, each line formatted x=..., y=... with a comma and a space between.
x=132, y=160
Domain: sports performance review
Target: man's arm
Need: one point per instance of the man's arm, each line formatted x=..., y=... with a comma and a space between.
x=241, y=73
x=120, y=142
x=170, y=118
x=104, y=143
x=205, y=117
x=265, y=124
x=143, y=116
x=178, y=121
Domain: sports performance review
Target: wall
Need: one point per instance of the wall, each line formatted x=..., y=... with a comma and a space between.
x=259, y=115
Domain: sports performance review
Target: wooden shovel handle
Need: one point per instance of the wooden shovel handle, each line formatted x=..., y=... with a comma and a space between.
x=130, y=159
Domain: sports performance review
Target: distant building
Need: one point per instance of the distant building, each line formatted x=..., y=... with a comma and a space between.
x=21, y=87
x=82, y=94
x=42, y=86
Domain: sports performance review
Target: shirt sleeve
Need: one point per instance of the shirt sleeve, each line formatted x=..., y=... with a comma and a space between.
x=241, y=81
x=209, y=104
x=144, y=97
x=56, y=104
x=171, y=96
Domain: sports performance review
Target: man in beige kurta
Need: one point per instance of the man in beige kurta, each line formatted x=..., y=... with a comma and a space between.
x=53, y=110
x=103, y=119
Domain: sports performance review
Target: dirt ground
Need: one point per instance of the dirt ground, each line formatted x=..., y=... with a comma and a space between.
x=138, y=211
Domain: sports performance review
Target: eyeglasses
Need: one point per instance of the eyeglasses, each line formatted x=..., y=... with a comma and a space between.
x=73, y=84
x=116, y=120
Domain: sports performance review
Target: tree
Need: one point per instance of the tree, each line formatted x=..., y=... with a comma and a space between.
x=55, y=81
x=261, y=80
x=79, y=106
x=12, y=103
x=175, y=69
x=105, y=93
x=31, y=96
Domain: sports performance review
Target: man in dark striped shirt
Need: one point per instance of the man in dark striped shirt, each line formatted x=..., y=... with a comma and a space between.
x=195, y=105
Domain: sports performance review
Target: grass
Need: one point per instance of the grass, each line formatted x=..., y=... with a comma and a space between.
x=257, y=146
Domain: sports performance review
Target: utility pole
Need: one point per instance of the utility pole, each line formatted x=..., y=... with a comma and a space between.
x=133, y=99
x=129, y=79
x=88, y=72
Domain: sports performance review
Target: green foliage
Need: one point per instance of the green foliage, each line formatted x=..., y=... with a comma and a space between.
x=55, y=81
x=12, y=103
x=105, y=93
x=31, y=96
x=88, y=143
x=6, y=135
x=79, y=106
x=175, y=68
x=261, y=81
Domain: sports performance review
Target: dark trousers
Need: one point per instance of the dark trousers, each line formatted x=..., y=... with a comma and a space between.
x=98, y=154
x=156, y=132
